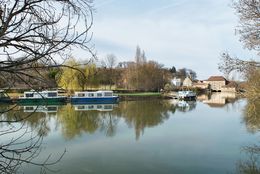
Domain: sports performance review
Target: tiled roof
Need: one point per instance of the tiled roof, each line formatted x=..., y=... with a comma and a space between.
x=216, y=78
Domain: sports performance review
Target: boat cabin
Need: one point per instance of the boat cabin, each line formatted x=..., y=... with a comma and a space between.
x=42, y=94
x=96, y=94
x=186, y=94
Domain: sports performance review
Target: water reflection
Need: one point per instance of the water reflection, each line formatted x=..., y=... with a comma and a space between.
x=21, y=139
x=252, y=115
x=252, y=121
x=93, y=107
x=219, y=99
x=142, y=114
x=251, y=164
x=184, y=105
x=74, y=120
x=79, y=119
x=77, y=122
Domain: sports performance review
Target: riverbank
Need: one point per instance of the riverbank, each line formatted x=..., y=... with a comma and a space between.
x=141, y=96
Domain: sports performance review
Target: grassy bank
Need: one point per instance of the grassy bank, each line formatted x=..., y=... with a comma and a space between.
x=140, y=94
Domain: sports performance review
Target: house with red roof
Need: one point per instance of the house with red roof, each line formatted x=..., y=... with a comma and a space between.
x=219, y=83
x=216, y=82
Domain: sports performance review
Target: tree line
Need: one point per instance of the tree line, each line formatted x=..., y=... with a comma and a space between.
x=139, y=75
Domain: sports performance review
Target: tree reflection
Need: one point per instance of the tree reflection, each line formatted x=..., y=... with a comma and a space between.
x=142, y=114
x=138, y=114
x=252, y=115
x=251, y=165
x=37, y=121
x=74, y=122
x=252, y=121
x=21, y=140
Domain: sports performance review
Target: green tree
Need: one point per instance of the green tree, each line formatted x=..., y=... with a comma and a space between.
x=68, y=78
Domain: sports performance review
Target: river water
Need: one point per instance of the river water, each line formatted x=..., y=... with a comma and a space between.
x=213, y=135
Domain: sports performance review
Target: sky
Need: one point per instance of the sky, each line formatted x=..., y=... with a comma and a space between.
x=180, y=33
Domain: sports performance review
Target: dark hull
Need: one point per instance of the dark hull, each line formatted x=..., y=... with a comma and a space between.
x=42, y=101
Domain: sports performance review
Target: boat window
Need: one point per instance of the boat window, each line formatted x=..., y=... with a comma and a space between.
x=91, y=107
x=81, y=107
x=29, y=95
x=81, y=95
x=52, y=108
x=29, y=108
x=52, y=94
x=91, y=95
x=99, y=94
x=108, y=94
x=108, y=107
x=99, y=106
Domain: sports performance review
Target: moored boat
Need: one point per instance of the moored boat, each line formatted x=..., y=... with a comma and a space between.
x=186, y=95
x=41, y=97
x=97, y=97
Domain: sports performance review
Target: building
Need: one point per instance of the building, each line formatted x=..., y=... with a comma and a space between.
x=187, y=82
x=230, y=87
x=200, y=84
x=176, y=82
x=216, y=82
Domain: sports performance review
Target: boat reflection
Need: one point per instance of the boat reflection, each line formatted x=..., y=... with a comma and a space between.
x=95, y=107
x=184, y=105
x=41, y=108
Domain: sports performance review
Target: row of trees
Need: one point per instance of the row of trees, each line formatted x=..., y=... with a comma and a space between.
x=141, y=75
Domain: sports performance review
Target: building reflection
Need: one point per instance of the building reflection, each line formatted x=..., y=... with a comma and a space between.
x=218, y=99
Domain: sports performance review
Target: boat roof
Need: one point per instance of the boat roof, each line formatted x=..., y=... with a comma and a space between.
x=33, y=91
x=91, y=91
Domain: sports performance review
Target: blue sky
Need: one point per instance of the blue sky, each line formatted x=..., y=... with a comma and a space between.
x=180, y=33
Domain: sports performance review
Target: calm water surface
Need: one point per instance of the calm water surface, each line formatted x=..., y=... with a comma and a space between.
x=209, y=135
